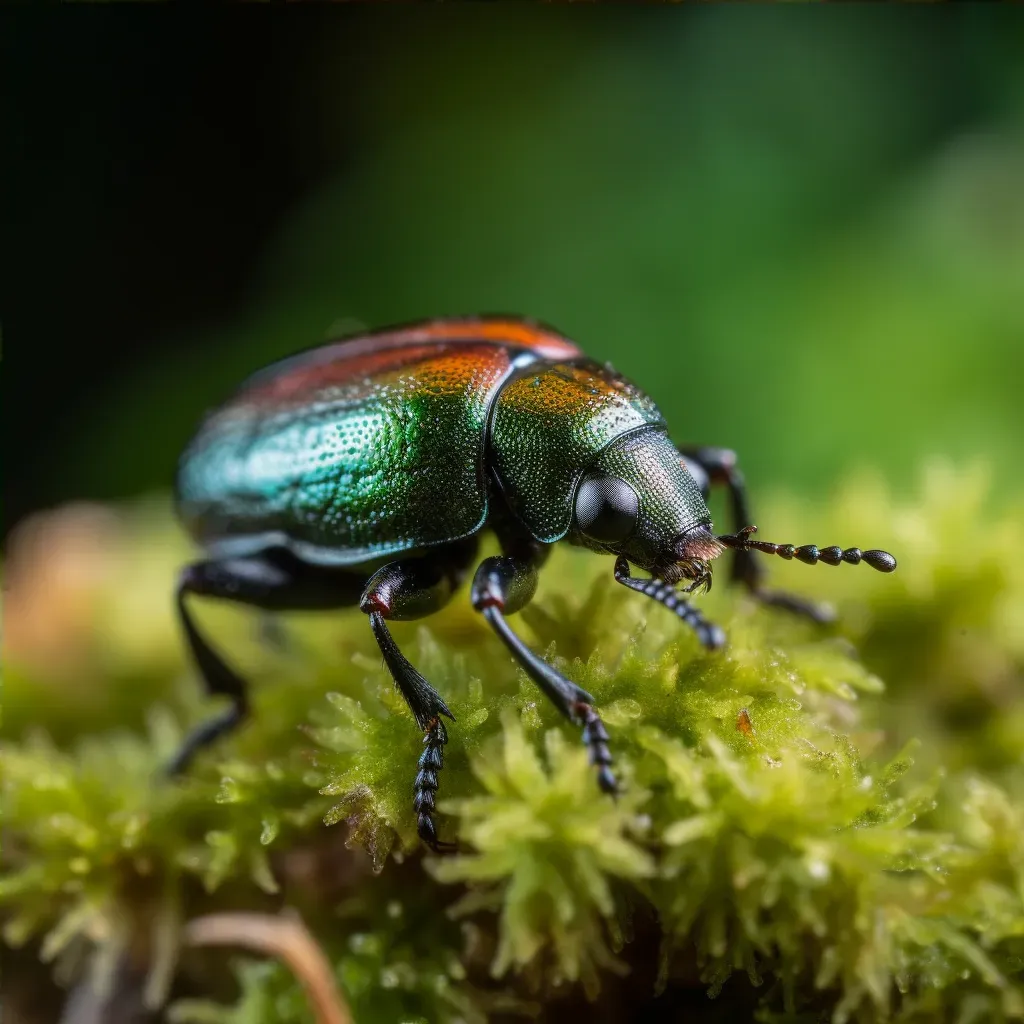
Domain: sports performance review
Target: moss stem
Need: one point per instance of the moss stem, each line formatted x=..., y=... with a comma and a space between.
x=285, y=937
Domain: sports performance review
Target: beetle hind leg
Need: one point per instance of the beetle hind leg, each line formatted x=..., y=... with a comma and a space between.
x=209, y=578
x=273, y=581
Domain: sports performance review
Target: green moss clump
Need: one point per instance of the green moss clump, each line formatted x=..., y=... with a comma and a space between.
x=792, y=837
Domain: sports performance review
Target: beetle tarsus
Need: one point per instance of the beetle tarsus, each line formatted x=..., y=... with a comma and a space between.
x=430, y=763
x=206, y=733
x=595, y=739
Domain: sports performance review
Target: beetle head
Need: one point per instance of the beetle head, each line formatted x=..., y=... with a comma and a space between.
x=638, y=500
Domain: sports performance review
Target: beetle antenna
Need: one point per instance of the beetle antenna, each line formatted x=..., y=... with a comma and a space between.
x=809, y=553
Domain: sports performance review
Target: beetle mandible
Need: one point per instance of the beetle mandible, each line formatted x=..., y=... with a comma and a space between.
x=363, y=472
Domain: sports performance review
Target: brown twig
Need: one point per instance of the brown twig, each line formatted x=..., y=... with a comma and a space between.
x=285, y=937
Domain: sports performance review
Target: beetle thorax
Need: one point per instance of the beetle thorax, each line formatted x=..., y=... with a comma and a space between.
x=556, y=428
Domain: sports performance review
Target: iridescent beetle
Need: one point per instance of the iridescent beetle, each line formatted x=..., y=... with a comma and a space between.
x=363, y=472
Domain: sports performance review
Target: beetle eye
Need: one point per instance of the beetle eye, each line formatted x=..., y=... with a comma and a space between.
x=606, y=508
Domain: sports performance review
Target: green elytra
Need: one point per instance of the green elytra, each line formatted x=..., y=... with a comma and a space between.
x=363, y=472
x=343, y=466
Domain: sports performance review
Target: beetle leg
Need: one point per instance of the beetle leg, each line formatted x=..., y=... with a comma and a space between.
x=503, y=585
x=271, y=582
x=709, y=634
x=410, y=589
x=717, y=466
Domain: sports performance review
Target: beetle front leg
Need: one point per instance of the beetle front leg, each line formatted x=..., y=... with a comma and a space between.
x=717, y=466
x=503, y=585
x=710, y=635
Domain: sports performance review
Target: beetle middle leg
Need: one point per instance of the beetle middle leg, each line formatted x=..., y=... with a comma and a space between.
x=411, y=588
x=504, y=584
x=717, y=466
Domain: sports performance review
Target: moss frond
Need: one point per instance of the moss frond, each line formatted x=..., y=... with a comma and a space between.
x=546, y=851
x=946, y=631
x=854, y=851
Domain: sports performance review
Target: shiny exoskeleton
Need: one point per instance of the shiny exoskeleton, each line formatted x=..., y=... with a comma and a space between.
x=363, y=472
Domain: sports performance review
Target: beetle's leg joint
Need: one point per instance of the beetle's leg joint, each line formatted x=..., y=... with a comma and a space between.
x=488, y=590
x=373, y=602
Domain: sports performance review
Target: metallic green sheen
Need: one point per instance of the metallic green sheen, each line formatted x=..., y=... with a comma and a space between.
x=549, y=428
x=345, y=464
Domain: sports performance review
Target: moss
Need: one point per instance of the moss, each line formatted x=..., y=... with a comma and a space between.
x=854, y=851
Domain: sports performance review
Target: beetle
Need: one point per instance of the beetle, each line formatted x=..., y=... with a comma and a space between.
x=362, y=472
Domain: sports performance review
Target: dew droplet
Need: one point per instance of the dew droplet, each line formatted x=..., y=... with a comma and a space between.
x=364, y=943
x=622, y=712
x=229, y=793
x=818, y=870
x=477, y=718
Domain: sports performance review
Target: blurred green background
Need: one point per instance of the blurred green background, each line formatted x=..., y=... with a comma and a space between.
x=801, y=230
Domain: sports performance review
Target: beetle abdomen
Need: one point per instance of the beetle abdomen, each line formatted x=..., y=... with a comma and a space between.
x=358, y=449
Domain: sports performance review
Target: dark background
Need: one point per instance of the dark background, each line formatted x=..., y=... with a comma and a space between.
x=801, y=229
